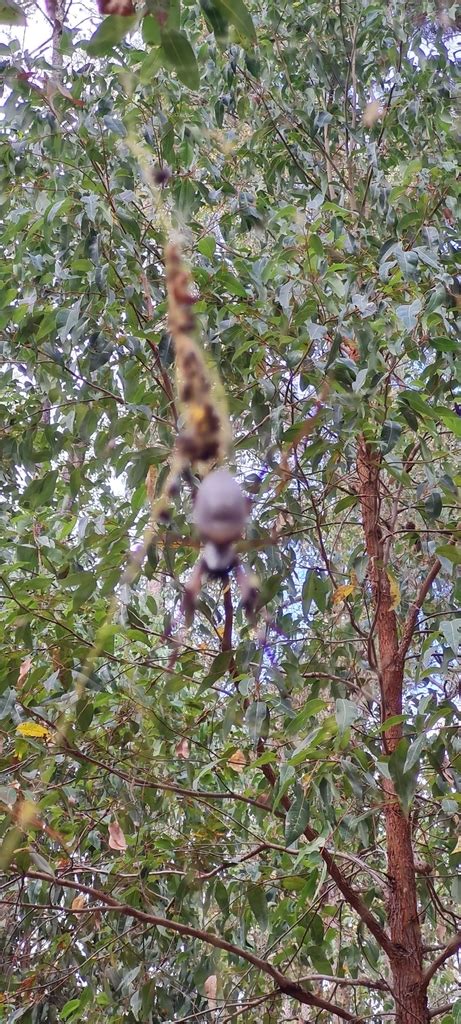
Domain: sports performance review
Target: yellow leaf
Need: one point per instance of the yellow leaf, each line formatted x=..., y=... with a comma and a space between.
x=26, y=813
x=394, y=591
x=79, y=902
x=237, y=761
x=32, y=729
x=457, y=848
x=342, y=593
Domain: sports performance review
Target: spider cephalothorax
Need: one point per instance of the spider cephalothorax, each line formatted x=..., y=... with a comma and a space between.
x=220, y=516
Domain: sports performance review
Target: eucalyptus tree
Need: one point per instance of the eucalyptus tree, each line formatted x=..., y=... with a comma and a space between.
x=263, y=826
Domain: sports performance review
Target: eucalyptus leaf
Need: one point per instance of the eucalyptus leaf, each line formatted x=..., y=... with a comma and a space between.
x=297, y=816
x=179, y=53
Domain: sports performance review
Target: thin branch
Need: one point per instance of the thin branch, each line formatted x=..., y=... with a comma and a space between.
x=358, y=982
x=381, y=134
x=410, y=624
x=351, y=896
x=168, y=787
x=438, y=1010
x=286, y=985
x=446, y=953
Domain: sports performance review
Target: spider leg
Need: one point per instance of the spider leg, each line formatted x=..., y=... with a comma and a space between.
x=249, y=590
x=192, y=590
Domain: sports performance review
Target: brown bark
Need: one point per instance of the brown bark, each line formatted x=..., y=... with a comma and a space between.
x=387, y=660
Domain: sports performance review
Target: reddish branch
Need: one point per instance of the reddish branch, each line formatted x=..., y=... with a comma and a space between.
x=406, y=956
x=346, y=889
x=446, y=953
x=289, y=987
x=410, y=624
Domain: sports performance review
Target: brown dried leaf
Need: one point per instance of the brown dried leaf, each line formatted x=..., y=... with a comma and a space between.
x=237, y=761
x=117, y=840
x=182, y=748
x=79, y=902
x=210, y=987
x=151, y=479
x=24, y=670
x=121, y=7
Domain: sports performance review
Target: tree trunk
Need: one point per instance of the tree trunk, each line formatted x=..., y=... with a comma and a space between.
x=404, y=927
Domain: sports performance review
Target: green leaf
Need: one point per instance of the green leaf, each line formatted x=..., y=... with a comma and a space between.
x=315, y=588
x=69, y=1007
x=409, y=314
x=449, y=551
x=300, y=720
x=111, y=31
x=84, y=713
x=221, y=897
x=8, y=795
x=219, y=668
x=347, y=502
x=257, y=720
x=297, y=816
x=11, y=13
x=236, y=12
x=450, y=419
x=433, y=505
x=451, y=629
x=414, y=753
x=151, y=30
x=346, y=713
x=269, y=588
x=41, y=863
x=393, y=720
x=405, y=782
x=258, y=903
x=287, y=776
x=179, y=53
x=207, y=246
x=84, y=591
x=457, y=1011
x=390, y=435
x=231, y=284
x=39, y=492
x=215, y=18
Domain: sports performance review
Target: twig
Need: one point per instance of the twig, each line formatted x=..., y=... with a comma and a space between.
x=410, y=624
x=446, y=953
x=290, y=987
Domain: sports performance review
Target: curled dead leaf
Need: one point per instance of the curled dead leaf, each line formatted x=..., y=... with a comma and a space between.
x=24, y=670
x=182, y=748
x=117, y=839
x=237, y=761
x=151, y=479
x=79, y=902
x=210, y=987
